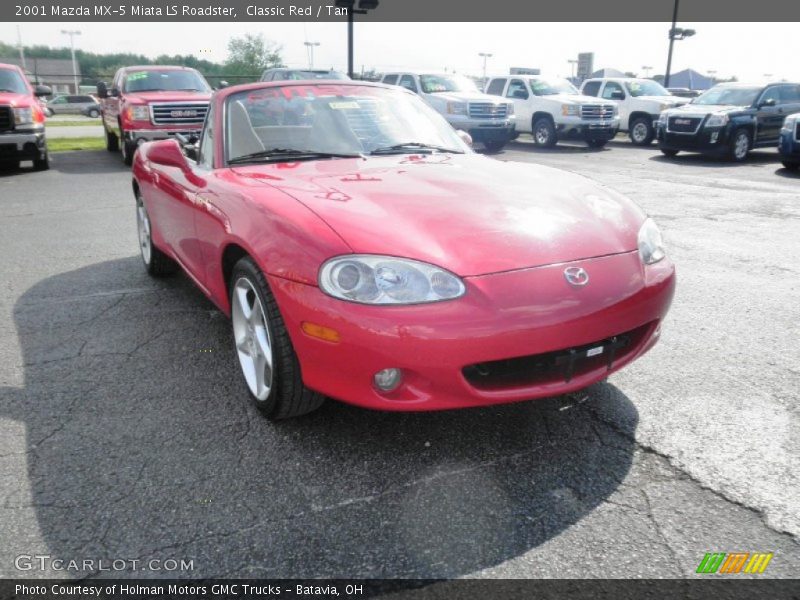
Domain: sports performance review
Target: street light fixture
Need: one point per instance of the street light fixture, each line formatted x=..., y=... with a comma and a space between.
x=646, y=70
x=72, y=33
x=363, y=7
x=675, y=33
x=310, y=50
x=486, y=56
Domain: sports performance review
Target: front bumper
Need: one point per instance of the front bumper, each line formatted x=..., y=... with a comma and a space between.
x=502, y=316
x=140, y=136
x=484, y=130
x=578, y=128
x=23, y=145
x=789, y=145
x=705, y=140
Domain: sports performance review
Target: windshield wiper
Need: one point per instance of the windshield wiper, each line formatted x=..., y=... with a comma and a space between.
x=278, y=154
x=407, y=147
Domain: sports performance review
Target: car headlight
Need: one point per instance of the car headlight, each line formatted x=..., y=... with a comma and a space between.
x=138, y=113
x=662, y=118
x=570, y=110
x=23, y=116
x=788, y=125
x=456, y=108
x=372, y=279
x=651, y=245
x=717, y=120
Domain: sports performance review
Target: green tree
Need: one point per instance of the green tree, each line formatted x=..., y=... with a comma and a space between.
x=250, y=54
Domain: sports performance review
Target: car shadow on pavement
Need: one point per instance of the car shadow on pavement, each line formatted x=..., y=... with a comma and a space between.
x=788, y=173
x=85, y=162
x=568, y=147
x=702, y=160
x=140, y=444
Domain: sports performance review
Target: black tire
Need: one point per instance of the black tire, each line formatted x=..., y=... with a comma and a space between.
x=791, y=166
x=112, y=141
x=739, y=145
x=495, y=146
x=544, y=132
x=668, y=152
x=641, y=131
x=288, y=397
x=596, y=143
x=94, y=113
x=43, y=163
x=159, y=264
x=128, y=150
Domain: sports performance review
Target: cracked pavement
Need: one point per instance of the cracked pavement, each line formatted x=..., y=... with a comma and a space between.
x=126, y=433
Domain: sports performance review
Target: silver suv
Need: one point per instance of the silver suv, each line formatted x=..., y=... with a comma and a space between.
x=488, y=120
x=74, y=105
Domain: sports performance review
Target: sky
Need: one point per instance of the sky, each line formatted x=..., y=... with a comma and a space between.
x=750, y=51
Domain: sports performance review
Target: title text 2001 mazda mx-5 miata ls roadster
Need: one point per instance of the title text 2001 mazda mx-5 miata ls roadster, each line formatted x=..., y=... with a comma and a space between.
x=364, y=252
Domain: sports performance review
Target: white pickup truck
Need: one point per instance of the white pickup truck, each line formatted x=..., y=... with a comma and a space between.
x=640, y=102
x=488, y=120
x=552, y=110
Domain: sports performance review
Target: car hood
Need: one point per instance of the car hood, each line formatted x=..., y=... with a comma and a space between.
x=12, y=99
x=704, y=109
x=466, y=213
x=169, y=96
x=575, y=99
x=466, y=97
x=671, y=100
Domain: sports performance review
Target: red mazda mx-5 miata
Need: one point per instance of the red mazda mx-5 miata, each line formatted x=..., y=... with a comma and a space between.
x=364, y=252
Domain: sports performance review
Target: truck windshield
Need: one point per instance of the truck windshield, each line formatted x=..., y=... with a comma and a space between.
x=645, y=87
x=165, y=81
x=435, y=84
x=550, y=87
x=322, y=121
x=733, y=96
x=11, y=81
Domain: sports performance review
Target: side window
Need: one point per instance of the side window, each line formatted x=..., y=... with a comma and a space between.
x=613, y=91
x=771, y=93
x=496, y=87
x=390, y=80
x=790, y=94
x=407, y=81
x=267, y=76
x=205, y=157
x=59, y=100
x=592, y=88
x=516, y=90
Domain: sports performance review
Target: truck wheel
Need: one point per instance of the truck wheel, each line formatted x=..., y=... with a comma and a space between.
x=791, y=166
x=494, y=146
x=668, y=152
x=128, y=150
x=262, y=344
x=544, y=133
x=94, y=114
x=42, y=164
x=642, y=132
x=739, y=145
x=112, y=141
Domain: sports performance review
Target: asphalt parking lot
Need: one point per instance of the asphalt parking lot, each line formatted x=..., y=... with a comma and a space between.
x=126, y=433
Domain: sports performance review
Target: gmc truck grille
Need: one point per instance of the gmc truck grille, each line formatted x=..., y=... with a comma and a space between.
x=683, y=124
x=487, y=110
x=597, y=111
x=179, y=113
x=6, y=118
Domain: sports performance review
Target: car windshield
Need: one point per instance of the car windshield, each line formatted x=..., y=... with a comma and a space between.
x=550, y=87
x=165, y=81
x=11, y=81
x=646, y=87
x=734, y=96
x=326, y=121
x=435, y=84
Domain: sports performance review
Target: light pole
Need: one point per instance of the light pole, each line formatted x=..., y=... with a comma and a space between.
x=486, y=56
x=350, y=6
x=572, y=66
x=713, y=75
x=310, y=50
x=646, y=70
x=72, y=33
x=675, y=33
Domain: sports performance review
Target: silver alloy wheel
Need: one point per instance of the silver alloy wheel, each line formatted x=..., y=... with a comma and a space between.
x=542, y=134
x=741, y=146
x=145, y=241
x=251, y=334
x=639, y=133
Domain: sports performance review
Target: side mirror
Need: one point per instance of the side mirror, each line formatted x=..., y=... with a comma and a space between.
x=223, y=84
x=42, y=90
x=617, y=95
x=167, y=153
x=114, y=92
x=465, y=137
x=767, y=102
x=102, y=90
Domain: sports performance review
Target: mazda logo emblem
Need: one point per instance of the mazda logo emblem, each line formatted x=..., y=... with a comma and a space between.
x=576, y=276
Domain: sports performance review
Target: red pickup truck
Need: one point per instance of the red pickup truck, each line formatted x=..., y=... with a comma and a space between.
x=151, y=103
x=21, y=120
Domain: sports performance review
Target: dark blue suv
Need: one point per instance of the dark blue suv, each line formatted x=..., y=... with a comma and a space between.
x=789, y=146
x=730, y=119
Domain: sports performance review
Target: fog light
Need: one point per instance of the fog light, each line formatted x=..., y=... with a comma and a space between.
x=388, y=379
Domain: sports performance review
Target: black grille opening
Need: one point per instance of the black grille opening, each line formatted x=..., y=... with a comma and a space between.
x=683, y=124
x=6, y=118
x=557, y=366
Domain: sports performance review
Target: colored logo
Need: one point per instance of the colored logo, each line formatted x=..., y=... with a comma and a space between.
x=734, y=562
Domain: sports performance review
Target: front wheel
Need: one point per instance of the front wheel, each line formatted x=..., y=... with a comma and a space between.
x=42, y=163
x=494, y=146
x=112, y=141
x=642, y=132
x=94, y=113
x=791, y=166
x=156, y=263
x=544, y=132
x=128, y=150
x=266, y=357
x=739, y=145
